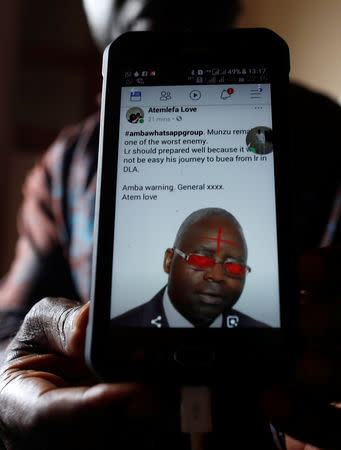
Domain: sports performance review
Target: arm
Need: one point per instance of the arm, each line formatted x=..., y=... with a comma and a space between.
x=40, y=265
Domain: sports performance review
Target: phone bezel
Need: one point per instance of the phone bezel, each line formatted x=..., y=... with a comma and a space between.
x=158, y=345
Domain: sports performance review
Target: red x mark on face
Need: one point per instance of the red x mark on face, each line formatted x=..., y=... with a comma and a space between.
x=219, y=240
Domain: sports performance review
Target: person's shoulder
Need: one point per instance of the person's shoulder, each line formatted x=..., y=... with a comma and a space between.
x=303, y=96
x=142, y=315
x=242, y=320
x=83, y=135
x=133, y=317
x=313, y=110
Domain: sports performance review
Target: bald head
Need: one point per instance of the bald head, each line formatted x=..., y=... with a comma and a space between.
x=207, y=213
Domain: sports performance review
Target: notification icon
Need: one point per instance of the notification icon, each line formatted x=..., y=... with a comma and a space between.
x=226, y=93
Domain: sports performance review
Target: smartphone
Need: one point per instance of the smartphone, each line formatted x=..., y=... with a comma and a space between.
x=193, y=261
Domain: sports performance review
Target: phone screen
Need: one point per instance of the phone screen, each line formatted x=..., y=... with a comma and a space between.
x=189, y=141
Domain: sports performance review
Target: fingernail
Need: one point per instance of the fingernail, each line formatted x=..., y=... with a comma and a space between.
x=81, y=317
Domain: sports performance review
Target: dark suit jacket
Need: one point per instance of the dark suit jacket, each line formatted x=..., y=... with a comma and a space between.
x=152, y=314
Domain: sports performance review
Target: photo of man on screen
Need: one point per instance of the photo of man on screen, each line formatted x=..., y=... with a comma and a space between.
x=207, y=268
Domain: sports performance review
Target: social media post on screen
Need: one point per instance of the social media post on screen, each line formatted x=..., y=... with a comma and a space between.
x=184, y=149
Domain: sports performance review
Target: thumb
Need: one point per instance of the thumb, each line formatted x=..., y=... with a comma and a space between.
x=53, y=325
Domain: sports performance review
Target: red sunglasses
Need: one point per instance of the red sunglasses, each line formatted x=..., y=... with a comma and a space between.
x=201, y=262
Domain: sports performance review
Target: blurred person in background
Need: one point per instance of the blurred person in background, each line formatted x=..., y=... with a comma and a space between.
x=53, y=259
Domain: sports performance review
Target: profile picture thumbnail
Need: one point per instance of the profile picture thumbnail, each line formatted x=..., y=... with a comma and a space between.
x=259, y=140
x=135, y=115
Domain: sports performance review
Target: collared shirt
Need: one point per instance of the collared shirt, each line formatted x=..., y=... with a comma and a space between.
x=177, y=320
